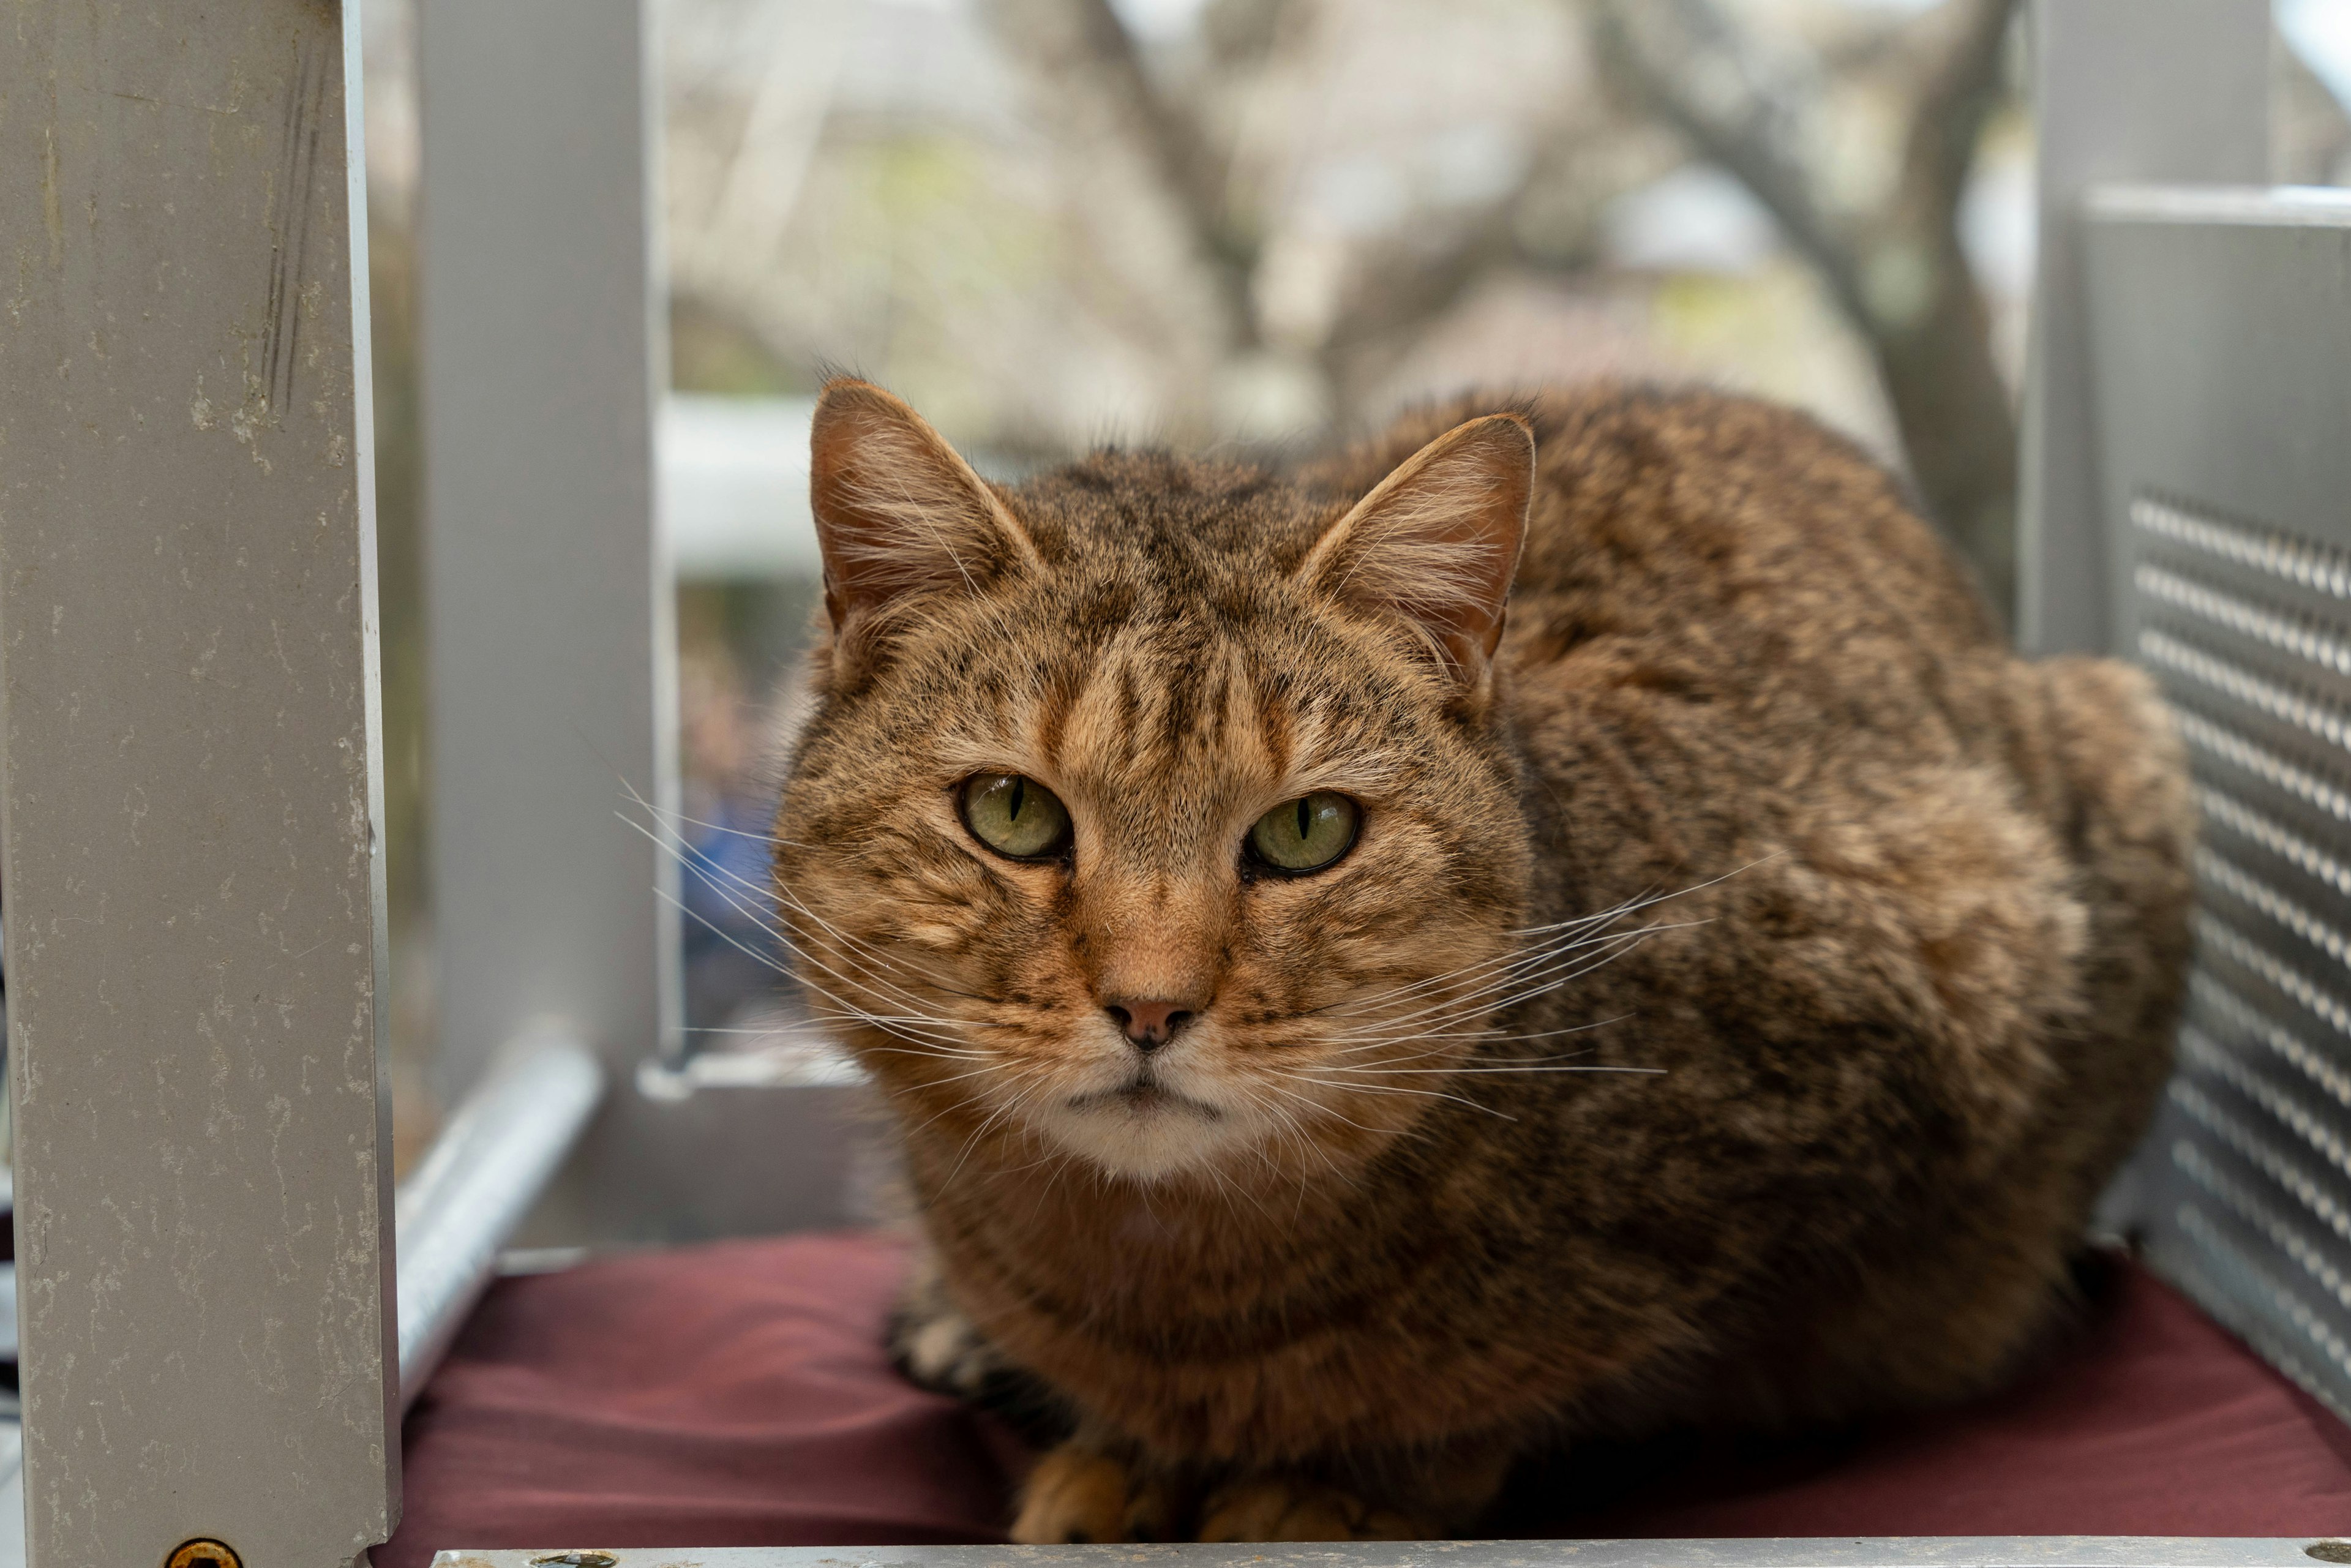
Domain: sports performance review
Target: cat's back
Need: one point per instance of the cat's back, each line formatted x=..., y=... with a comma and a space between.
x=1740, y=662
x=1736, y=651
x=1661, y=510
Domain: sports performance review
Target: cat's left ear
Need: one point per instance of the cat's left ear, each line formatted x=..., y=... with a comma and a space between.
x=1436, y=544
x=899, y=513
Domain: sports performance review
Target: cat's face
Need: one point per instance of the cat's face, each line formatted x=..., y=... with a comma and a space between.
x=1148, y=812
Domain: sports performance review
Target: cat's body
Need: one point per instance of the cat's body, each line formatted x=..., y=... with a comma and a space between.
x=1898, y=923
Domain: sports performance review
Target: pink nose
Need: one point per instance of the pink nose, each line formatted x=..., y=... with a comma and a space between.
x=1147, y=1025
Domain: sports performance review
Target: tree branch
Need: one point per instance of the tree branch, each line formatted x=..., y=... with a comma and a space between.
x=1959, y=97
x=1694, y=67
x=1898, y=271
x=1081, y=47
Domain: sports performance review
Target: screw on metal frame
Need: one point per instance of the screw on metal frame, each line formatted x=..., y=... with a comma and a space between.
x=203, y=1553
x=2329, y=1551
x=603, y=1560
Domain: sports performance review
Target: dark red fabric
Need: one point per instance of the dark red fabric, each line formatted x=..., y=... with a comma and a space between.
x=2149, y=1419
x=738, y=1395
x=732, y=1395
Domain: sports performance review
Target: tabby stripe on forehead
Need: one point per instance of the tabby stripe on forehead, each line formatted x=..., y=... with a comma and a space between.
x=1130, y=699
x=1180, y=701
x=1062, y=691
x=1273, y=728
x=1236, y=691
x=1215, y=699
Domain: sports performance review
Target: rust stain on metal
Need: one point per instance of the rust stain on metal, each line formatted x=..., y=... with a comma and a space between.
x=204, y=1553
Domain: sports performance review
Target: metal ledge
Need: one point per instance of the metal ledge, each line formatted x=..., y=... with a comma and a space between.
x=1838, y=1552
x=2287, y=206
x=489, y=1167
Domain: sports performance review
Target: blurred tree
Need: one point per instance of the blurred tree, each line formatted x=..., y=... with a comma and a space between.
x=1892, y=260
x=1097, y=93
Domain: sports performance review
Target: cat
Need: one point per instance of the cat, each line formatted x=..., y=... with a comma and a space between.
x=1564, y=920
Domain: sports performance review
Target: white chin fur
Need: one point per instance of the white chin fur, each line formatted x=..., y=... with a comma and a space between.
x=1145, y=1143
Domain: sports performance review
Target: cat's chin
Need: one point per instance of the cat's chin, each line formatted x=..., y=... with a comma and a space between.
x=1149, y=1136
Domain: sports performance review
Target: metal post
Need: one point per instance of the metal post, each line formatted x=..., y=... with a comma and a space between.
x=549, y=606
x=550, y=621
x=2123, y=90
x=192, y=859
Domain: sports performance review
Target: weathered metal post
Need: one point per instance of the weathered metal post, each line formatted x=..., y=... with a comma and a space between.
x=194, y=872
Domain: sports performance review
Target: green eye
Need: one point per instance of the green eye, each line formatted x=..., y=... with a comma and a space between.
x=1307, y=833
x=1015, y=815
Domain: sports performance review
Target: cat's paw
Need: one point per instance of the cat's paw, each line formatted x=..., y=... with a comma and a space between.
x=936, y=1346
x=1076, y=1494
x=1278, y=1508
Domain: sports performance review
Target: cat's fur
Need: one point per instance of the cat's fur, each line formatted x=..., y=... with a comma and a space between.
x=1899, y=922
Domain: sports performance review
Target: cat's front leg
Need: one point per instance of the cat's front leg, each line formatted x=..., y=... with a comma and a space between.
x=1081, y=1492
x=1295, y=1507
x=1417, y=1494
x=937, y=1347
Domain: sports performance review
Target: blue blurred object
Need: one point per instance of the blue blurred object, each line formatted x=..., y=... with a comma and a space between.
x=732, y=953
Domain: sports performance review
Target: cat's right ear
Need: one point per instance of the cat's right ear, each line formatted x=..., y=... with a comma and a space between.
x=899, y=513
x=1436, y=543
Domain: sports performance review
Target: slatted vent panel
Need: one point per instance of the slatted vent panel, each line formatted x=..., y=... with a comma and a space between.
x=2248, y=1180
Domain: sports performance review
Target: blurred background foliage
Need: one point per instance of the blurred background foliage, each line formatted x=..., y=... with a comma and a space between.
x=1262, y=225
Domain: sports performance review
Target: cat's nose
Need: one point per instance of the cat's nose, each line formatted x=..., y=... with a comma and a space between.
x=1147, y=1025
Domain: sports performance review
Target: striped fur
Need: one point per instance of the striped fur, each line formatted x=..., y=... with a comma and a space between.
x=1746, y=978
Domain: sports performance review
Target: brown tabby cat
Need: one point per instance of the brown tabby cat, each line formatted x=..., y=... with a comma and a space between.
x=1560, y=922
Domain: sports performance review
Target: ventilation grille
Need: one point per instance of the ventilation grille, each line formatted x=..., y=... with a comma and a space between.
x=2244, y=1192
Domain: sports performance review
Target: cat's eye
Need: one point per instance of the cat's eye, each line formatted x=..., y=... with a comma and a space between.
x=1306, y=834
x=1015, y=815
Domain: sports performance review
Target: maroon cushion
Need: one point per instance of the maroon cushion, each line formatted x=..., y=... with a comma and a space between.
x=738, y=1395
